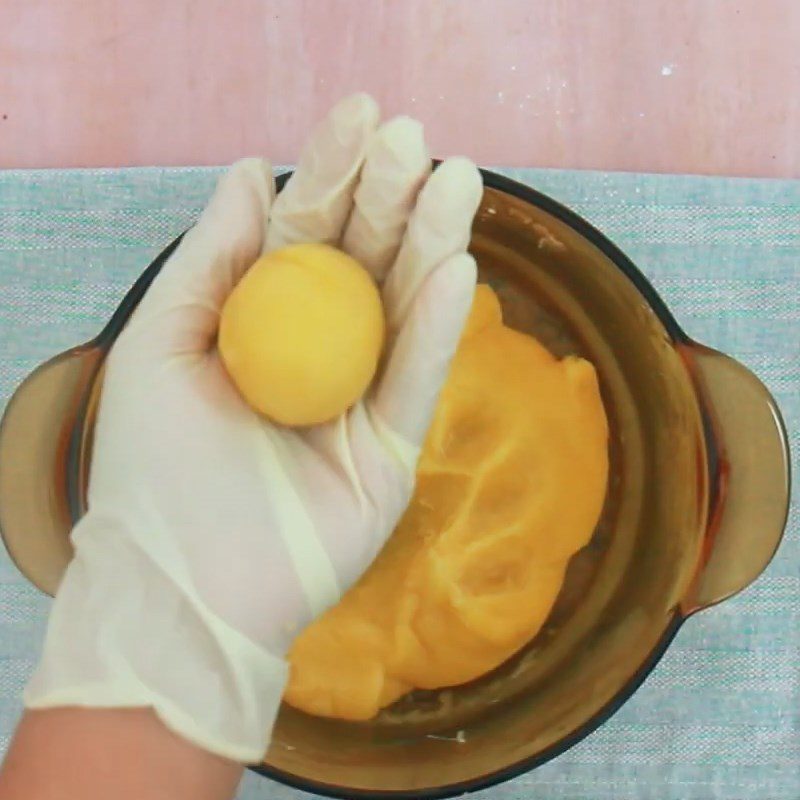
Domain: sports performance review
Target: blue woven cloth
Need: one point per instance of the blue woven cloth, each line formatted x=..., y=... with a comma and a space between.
x=720, y=715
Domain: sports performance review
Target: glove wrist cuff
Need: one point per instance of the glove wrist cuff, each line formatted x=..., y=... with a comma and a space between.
x=123, y=633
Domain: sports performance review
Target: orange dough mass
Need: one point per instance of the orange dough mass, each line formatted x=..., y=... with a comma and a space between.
x=510, y=485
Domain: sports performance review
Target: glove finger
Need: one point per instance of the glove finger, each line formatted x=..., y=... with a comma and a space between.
x=396, y=166
x=420, y=355
x=438, y=228
x=318, y=198
x=180, y=311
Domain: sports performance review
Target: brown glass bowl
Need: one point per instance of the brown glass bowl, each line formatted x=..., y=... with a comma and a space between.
x=696, y=506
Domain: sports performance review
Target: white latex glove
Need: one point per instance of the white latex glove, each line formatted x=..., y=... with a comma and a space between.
x=213, y=536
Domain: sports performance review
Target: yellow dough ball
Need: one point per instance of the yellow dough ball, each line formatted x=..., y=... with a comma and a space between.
x=301, y=334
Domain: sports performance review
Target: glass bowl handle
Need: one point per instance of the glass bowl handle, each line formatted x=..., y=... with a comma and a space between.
x=43, y=422
x=750, y=480
x=35, y=519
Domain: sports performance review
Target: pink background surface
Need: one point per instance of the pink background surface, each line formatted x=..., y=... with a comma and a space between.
x=703, y=86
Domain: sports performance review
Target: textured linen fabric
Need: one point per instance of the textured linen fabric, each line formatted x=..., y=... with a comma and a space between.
x=720, y=715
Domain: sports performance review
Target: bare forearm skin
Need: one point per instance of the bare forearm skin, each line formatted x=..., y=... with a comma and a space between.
x=96, y=754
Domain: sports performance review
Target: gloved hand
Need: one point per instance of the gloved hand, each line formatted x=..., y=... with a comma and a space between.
x=212, y=536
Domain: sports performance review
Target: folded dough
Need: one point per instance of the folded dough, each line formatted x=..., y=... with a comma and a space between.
x=510, y=485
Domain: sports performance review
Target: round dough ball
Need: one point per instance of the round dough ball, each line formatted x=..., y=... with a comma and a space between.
x=301, y=334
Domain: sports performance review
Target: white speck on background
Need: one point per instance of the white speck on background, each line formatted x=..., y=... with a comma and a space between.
x=641, y=113
x=513, y=69
x=500, y=97
x=413, y=99
x=667, y=70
